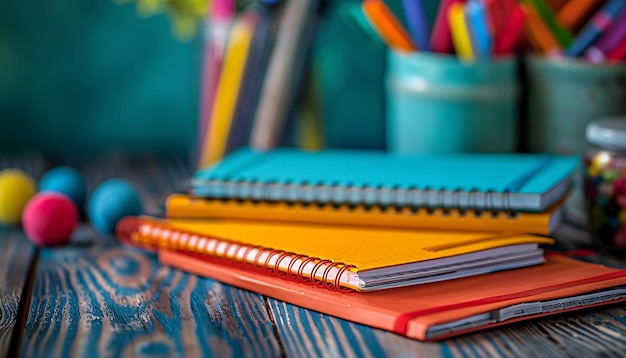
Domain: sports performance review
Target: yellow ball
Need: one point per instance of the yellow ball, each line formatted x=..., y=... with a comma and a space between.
x=16, y=189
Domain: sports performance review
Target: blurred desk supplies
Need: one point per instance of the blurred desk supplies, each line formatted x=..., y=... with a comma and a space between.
x=253, y=63
x=338, y=257
x=587, y=29
x=440, y=310
x=471, y=28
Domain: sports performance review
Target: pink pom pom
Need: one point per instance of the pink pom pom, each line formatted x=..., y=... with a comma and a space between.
x=49, y=219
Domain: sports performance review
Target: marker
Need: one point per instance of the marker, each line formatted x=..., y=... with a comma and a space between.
x=388, y=26
x=458, y=30
x=477, y=23
x=598, y=23
x=418, y=25
x=512, y=31
x=222, y=12
x=574, y=12
x=618, y=53
x=440, y=38
x=227, y=93
x=538, y=34
x=353, y=14
x=559, y=32
x=611, y=38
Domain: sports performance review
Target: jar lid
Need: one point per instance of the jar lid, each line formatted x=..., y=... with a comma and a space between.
x=609, y=133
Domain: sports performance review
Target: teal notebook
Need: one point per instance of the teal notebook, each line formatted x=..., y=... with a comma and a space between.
x=501, y=182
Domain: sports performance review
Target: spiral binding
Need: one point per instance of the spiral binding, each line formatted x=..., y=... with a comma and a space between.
x=371, y=209
x=153, y=235
x=395, y=197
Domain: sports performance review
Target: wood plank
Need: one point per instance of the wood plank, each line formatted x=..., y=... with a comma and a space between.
x=15, y=259
x=16, y=255
x=95, y=296
x=109, y=300
x=307, y=333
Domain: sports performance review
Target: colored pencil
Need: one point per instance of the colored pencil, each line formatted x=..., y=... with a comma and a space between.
x=417, y=22
x=440, y=38
x=256, y=65
x=460, y=35
x=538, y=34
x=512, y=31
x=353, y=14
x=556, y=5
x=278, y=86
x=574, y=12
x=618, y=53
x=388, y=26
x=222, y=13
x=499, y=11
x=478, y=27
x=598, y=23
x=611, y=38
x=558, y=31
x=228, y=88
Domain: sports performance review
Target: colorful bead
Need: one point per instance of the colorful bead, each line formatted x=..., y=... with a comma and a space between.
x=605, y=193
x=606, y=189
x=620, y=186
x=609, y=175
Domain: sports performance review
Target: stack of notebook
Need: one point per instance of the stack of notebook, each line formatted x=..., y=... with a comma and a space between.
x=425, y=246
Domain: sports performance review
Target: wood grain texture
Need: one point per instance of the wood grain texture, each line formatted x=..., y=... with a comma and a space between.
x=96, y=298
x=15, y=258
x=307, y=333
x=16, y=254
x=106, y=300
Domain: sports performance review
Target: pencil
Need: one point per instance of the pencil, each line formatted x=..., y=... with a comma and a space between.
x=228, y=88
x=278, y=87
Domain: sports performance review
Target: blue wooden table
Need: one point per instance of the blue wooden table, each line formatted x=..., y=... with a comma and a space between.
x=98, y=298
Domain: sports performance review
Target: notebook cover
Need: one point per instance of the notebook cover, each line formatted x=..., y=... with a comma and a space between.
x=339, y=244
x=410, y=311
x=183, y=206
x=482, y=173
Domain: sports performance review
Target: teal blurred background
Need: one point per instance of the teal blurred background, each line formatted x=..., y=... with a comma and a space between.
x=80, y=77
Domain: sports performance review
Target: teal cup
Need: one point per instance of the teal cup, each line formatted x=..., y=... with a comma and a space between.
x=564, y=96
x=439, y=104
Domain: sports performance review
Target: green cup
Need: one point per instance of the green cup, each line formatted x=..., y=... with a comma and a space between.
x=564, y=96
x=439, y=104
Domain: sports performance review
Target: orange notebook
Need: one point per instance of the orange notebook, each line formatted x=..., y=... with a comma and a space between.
x=442, y=309
x=183, y=206
x=338, y=257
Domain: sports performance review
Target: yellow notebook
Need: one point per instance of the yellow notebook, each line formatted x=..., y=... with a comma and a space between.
x=338, y=257
x=190, y=207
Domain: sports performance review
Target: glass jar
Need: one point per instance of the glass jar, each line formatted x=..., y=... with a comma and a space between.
x=605, y=181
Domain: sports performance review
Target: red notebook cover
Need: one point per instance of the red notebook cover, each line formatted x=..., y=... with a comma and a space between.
x=420, y=311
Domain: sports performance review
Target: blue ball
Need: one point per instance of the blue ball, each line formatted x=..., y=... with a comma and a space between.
x=110, y=202
x=67, y=181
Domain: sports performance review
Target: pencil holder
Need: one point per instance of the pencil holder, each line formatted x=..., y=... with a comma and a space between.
x=438, y=104
x=564, y=96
